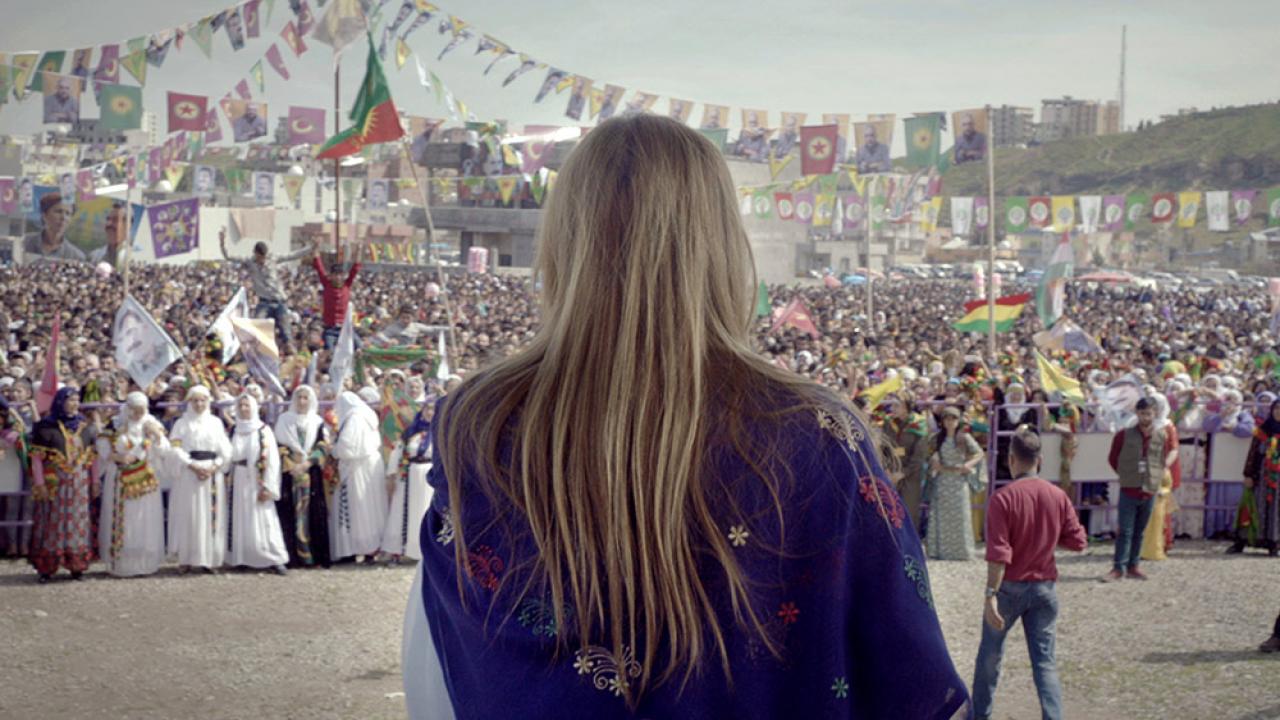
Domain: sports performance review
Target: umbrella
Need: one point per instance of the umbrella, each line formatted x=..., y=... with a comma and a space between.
x=853, y=280
x=1106, y=277
x=1066, y=336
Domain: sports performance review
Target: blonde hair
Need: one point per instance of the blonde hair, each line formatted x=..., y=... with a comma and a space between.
x=642, y=358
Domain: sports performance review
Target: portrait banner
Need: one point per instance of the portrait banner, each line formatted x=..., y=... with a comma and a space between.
x=714, y=117
x=874, y=137
x=61, y=98
x=238, y=307
x=679, y=110
x=142, y=348
x=971, y=132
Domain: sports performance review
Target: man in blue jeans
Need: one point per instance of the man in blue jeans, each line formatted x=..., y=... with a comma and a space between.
x=265, y=276
x=1026, y=520
x=1139, y=455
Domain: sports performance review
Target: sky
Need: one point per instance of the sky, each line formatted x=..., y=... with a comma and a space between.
x=846, y=56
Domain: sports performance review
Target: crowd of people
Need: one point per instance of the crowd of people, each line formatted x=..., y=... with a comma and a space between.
x=1206, y=358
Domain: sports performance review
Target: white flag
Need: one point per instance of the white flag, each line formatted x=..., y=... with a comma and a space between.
x=237, y=308
x=1218, y=204
x=442, y=370
x=142, y=347
x=961, y=216
x=1090, y=211
x=342, y=23
x=258, y=346
x=837, y=220
x=344, y=353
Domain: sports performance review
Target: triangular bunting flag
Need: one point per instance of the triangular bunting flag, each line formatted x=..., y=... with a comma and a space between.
x=136, y=63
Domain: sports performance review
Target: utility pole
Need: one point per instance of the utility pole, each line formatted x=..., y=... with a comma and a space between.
x=1124, y=32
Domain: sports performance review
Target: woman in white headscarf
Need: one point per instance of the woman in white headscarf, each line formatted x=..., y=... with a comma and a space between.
x=254, y=484
x=359, y=504
x=304, y=443
x=131, y=522
x=198, y=501
x=1158, y=536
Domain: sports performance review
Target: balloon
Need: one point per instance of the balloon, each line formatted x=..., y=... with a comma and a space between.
x=103, y=270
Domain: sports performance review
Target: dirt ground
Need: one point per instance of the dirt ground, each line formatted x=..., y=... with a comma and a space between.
x=326, y=644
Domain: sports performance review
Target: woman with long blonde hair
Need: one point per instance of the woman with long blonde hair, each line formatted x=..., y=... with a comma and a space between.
x=638, y=515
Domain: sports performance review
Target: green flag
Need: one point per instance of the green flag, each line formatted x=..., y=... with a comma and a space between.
x=763, y=307
x=50, y=62
x=1135, y=208
x=121, y=107
x=1273, y=207
x=373, y=116
x=1015, y=214
x=202, y=33
x=136, y=63
x=762, y=204
x=923, y=141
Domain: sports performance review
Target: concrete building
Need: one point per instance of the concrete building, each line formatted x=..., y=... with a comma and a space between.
x=1072, y=117
x=1012, y=125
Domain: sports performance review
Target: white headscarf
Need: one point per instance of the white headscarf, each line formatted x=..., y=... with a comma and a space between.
x=1162, y=409
x=200, y=430
x=293, y=423
x=243, y=426
x=354, y=416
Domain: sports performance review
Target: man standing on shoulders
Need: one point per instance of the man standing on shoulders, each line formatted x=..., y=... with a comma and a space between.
x=1026, y=520
x=272, y=300
x=335, y=294
x=1138, y=455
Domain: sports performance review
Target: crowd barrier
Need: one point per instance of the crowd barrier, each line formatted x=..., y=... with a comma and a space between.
x=1211, y=464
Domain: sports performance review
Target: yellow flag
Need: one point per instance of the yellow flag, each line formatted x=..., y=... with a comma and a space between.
x=293, y=186
x=1054, y=380
x=823, y=206
x=402, y=53
x=1063, y=208
x=507, y=186
x=877, y=393
x=803, y=182
x=1188, y=208
x=22, y=65
x=777, y=166
x=859, y=183
x=597, y=100
x=174, y=174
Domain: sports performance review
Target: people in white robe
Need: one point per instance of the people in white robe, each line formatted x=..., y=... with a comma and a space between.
x=198, y=501
x=410, y=495
x=253, y=476
x=131, y=520
x=358, y=509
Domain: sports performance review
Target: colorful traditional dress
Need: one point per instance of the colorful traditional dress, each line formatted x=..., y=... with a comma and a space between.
x=62, y=457
x=909, y=440
x=410, y=463
x=131, y=525
x=843, y=595
x=303, y=438
x=1260, y=525
x=950, y=503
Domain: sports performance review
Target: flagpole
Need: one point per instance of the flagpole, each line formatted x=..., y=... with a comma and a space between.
x=991, y=243
x=337, y=162
x=869, y=229
x=128, y=240
x=423, y=197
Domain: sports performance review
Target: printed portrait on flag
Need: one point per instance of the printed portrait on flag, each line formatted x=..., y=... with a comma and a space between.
x=552, y=81
x=67, y=187
x=61, y=98
x=203, y=182
x=248, y=119
x=753, y=141
x=80, y=61
x=264, y=188
x=874, y=138
x=422, y=130
x=841, y=121
x=578, y=97
x=142, y=348
x=714, y=117
x=378, y=194
x=789, y=133
x=971, y=135
x=640, y=102
x=679, y=110
x=235, y=29
x=609, y=104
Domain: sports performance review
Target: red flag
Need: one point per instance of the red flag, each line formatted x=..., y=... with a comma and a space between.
x=277, y=61
x=49, y=381
x=1038, y=209
x=251, y=18
x=187, y=112
x=1163, y=207
x=796, y=315
x=786, y=206
x=818, y=149
x=242, y=89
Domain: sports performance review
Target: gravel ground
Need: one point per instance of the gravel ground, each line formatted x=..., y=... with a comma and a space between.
x=326, y=644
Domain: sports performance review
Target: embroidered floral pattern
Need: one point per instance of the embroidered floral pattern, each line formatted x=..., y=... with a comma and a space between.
x=444, y=535
x=607, y=672
x=840, y=687
x=877, y=492
x=843, y=427
x=738, y=535
x=484, y=566
x=916, y=572
x=789, y=613
x=539, y=617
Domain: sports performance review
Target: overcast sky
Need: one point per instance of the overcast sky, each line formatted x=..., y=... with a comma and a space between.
x=842, y=56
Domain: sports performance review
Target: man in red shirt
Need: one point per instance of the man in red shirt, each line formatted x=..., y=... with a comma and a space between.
x=334, y=297
x=1026, y=520
x=1139, y=455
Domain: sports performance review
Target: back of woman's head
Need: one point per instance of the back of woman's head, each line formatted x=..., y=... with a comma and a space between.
x=594, y=438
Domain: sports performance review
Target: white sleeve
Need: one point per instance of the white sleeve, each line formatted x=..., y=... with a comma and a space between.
x=426, y=697
x=271, y=481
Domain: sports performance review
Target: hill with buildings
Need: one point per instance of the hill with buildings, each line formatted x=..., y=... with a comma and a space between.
x=1230, y=149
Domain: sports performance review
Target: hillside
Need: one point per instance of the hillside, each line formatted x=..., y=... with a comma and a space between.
x=1232, y=149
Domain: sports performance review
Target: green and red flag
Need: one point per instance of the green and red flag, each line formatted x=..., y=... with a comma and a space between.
x=373, y=116
x=976, y=318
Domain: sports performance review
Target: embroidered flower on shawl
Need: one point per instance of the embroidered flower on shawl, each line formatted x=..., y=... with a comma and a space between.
x=840, y=687
x=916, y=572
x=539, y=616
x=878, y=493
x=738, y=535
x=444, y=535
x=789, y=613
x=484, y=566
x=843, y=427
x=607, y=672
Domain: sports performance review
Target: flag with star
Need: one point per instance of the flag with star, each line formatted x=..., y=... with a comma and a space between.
x=818, y=149
x=175, y=227
x=306, y=125
x=121, y=107
x=923, y=141
x=373, y=115
x=50, y=62
x=187, y=112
